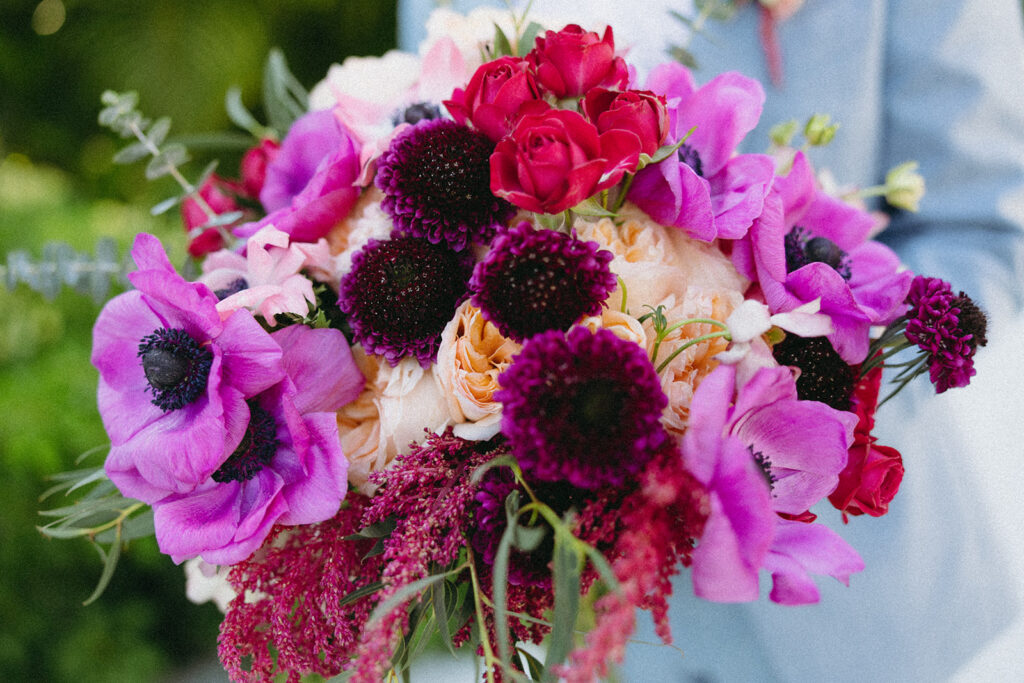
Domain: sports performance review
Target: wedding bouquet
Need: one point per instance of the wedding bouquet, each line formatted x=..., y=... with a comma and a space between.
x=500, y=337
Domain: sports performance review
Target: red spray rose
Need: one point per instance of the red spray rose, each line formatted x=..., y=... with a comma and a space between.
x=572, y=61
x=494, y=96
x=254, y=166
x=219, y=194
x=638, y=111
x=873, y=473
x=554, y=160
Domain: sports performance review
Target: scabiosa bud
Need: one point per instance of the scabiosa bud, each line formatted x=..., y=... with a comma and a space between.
x=537, y=280
x=824, y=375
x=436, y=179
x=401, y=293
x=583, y=408
x=948, y=328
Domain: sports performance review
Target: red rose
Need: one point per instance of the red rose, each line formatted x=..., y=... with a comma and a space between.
x=495, y=95
x=219, y=194
x=638, y=111
x=572, y=61
x=873, y=473
x=554, y=160
x=254, y=166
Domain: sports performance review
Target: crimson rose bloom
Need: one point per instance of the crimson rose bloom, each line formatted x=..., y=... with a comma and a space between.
x=254, y=166
x=638, y=111
x=554, y=160
x=495, y=95
x=873, y=473
x=572, y=61
x=219, y=194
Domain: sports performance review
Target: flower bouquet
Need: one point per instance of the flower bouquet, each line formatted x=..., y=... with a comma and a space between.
x=488, y=339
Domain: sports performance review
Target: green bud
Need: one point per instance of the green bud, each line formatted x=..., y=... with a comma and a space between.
x=819, y=130
x=782, y=134
x=904, y=186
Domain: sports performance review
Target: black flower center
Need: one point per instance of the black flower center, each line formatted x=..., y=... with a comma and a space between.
x=233, y=287
x=414, y=113
x=824, y=375
x=599, y=404
x=691, y=157
x=257, y=449
x=176, y=367
x=802, y=249
x=764, y=463
x=971, y=320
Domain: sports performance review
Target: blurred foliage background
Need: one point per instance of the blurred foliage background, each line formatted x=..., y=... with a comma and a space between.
x=57, y=183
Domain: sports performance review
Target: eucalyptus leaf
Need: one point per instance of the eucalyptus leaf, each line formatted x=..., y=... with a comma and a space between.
x=529, y=37
x=110, y=563
x=284, y=98
x=238, y=113
x=166, y=205
x=499, y=577
x=157, y=133
x=404, y=594
x=360, y=593
x=533, y=665
x=132, y=153
x=528, y=538
x=502, y=46
x=169, y=158
x=223, y=219
x=439, y=598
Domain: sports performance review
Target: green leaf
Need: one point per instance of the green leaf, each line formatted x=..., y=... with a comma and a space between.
x=240, y=115
x=499, y=577
x=157, y=133
x=110, y=558
x=565, y=577
x=166, y=205
x=130, y=154
x=404, y=594
x=502, y=46
x=591, y=206
x=360, y=593
x=284, y=98
x=533, y=665
x=169, y=158
x=439, y=594
x=376, y=530
x=529, y=37
x=528, y=538
x=500, y=461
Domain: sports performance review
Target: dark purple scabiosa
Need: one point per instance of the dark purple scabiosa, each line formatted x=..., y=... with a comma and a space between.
x=824, y=375
x=436, y=179
x=537, y=280
x=490, y=521
x=803, y=248
x=948, y=328
x=583, y=408
x=401, y=293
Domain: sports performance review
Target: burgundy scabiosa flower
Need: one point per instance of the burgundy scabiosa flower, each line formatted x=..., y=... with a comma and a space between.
x=948, y=329
x=537, y=280
x=174, y=378
x=401, y=293
x=436, y=179
x=582, y=407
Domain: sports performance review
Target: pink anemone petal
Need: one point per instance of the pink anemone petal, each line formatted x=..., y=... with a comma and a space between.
x=796, y=189
x=851, y=324
x=320, y=364
x=848, y=226
x=672, y=194
x=251, y=357
x=738, y=192
x=800, y=550
x=317, y=495
x=724, y=110
x=185, y=526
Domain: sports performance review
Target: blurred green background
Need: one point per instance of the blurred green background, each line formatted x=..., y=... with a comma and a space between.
x=57, y=183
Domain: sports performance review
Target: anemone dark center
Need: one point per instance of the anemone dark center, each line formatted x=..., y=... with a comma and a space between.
x=971, y=320
x=257, y=449
x=802, y=249
x=691, y=157
x=824, y=375
x=414, y=113
x=176, y=367
x=598, y=405
x=764, y=463
x=233, y=287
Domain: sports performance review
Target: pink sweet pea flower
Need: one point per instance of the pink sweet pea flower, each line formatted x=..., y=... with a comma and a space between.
x=706, y=189
x=288, y=469
x=266, y=280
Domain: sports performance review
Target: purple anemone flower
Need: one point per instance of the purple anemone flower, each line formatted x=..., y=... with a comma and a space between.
x=288, y=467
x=706, y=189
x=311, y=183
x=583, y=408
x=796, y=449
x=829, y=256
x=174, y=378
x=800, y=550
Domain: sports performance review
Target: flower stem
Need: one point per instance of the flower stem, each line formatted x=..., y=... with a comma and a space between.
x=692, y=342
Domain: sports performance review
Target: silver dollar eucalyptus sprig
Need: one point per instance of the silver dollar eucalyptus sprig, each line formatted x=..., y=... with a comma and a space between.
x=61, y=266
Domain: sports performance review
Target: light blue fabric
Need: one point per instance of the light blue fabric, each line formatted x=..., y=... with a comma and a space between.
x=937, y=81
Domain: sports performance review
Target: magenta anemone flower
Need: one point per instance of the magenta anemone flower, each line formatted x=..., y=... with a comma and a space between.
x=288, y=467
x=311, y=183
x=706, y=189
x=800, y=550
x=174, y=378
x=807, y=245
x=581, y=407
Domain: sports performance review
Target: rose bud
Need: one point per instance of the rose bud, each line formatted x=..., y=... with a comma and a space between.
x=572, y=61
x=638, y=111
